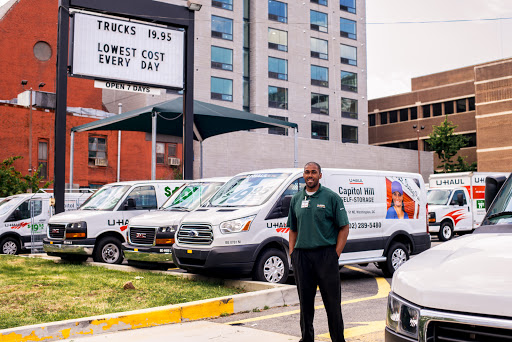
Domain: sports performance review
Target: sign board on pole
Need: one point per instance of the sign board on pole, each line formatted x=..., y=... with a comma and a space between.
x=133, y=88
x=125, y=51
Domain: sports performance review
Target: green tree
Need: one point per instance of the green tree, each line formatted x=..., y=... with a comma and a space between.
x=446, y=144
x=12, y=182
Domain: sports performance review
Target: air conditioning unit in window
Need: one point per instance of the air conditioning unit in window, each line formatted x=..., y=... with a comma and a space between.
x=100, y=162
x=173, y=161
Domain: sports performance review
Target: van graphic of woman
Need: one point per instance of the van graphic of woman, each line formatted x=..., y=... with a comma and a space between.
x=397, y=209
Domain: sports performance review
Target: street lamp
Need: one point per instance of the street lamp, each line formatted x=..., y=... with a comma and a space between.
x=415, y=127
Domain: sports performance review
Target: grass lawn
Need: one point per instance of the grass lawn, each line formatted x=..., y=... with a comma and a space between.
x=34, y=290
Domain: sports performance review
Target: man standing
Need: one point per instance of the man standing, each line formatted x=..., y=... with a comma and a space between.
x=319, y=229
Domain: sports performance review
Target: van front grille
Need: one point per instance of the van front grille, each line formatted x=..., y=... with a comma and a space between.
x=447, y=331
x=195, y=234
x=142, y=236
x=56, y=231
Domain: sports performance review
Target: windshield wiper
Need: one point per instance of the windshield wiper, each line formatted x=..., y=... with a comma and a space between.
x=178, y=208
x=503, y=213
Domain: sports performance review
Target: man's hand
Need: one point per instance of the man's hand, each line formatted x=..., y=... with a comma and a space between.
x=292, y=238
x=342, y=239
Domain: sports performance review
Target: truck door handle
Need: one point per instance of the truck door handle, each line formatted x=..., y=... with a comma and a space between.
x=469, y=209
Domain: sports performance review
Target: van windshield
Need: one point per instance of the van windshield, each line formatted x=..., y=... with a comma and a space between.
x=248, y=190
x=7, y=204
x=501, y=210
x=105, y=198
x=191, y=196
x=438, y=197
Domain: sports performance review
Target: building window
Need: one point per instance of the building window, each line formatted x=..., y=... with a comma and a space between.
x=371, y=120
x=348, y=6
x=437, y=109
x=277, y=39
x=448, y=107
x=404, y=114
x=278, y=68
x=222, y=28
x=319, y=76
x=277, y=11
x=246, y=95
x=408, y=145
x=471, y=104
x=319, y=130
x=472, y=139
x=319, y=48
x=224, y=4
x=426, y=111
x=320, y=2
x=278, y=130
x=160, y=153
x=461, y=105
x=319, y=104
x=349, y=109
x=348, y=134
x=414, y=113
x=42, y=158
x=318, y=21
x=348, y=81
x=348, y=54
x=384, y=118
x=97, y=151
x=221, y=89
x=277, y=97
x=222, y=58
x=393, y=116
x=348, y=28
x=172, y=150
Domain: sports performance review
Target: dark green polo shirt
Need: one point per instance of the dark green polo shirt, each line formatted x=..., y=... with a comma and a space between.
x=318, y=224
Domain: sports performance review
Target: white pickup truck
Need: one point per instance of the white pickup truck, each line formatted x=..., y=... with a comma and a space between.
x=459, y=290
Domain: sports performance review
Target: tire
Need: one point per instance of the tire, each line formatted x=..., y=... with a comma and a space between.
x=445, y=231
x=10, y=245
x=397, y=254
x=271, y=266
x=109, y=251
x=74, y=257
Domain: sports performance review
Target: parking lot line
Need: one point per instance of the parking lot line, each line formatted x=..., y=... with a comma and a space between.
x=363, y=329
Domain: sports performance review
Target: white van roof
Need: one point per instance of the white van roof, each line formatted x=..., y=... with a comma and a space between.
x=148, y=182
x=355, y=171
x=210, y=180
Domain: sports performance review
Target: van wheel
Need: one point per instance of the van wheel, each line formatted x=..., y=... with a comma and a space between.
x=396, y=256
x=271, y=266
x=446, y=231
x=10, y=245
x=109, y=251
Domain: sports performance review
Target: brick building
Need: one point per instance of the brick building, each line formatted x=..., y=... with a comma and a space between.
x=477, y=98
x=29, y=44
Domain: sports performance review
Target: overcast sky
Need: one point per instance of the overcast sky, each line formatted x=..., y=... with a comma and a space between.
x=456, y=33
x=398, y=52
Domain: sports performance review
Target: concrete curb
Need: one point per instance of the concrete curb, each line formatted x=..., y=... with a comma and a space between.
x=263, y=294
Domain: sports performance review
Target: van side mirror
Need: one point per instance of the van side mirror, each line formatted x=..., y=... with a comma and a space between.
x=285, y=205
x=15, y=216
x=281, y=208
x=460, y=199
x=129, y=204
x=492, y=187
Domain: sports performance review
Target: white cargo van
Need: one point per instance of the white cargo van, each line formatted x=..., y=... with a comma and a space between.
x=150, y=236
x=24, y=219
x=98, y=228
x=456, y=202
x=459, y=290
x=243, y=227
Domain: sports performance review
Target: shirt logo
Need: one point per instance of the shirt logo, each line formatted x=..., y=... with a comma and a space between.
x=320, y=205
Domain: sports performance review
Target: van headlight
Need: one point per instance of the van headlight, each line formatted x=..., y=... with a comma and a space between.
x=167, y=229
x=239, y=225
x=402, y=317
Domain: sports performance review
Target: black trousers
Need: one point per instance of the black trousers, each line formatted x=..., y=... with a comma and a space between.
x=312, y=268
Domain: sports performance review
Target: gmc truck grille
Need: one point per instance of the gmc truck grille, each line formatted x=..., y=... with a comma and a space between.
x=446, y=331
x=57, y=231
x=142, y=236
x=195, y=235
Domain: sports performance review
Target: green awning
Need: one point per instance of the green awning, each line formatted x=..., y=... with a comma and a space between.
x=209, y=120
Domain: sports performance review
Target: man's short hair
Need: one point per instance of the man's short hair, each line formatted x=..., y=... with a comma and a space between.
x=314, y=163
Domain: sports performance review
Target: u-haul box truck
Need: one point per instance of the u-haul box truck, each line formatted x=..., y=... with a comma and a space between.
x=456, y=202
x=150, y=236
x=243, y=227
x=24, y=219
x=99, y=226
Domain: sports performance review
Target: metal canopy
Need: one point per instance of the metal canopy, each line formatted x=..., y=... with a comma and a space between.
x=209, y=120
x=167, y=118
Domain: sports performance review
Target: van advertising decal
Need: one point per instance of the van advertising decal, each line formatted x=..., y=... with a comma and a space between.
x=36, y=227
x=402, y=198
x=456, y=215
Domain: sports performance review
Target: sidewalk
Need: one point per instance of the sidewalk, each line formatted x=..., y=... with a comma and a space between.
x=263, y=294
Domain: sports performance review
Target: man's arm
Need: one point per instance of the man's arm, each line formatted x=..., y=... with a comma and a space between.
x=292, y=238
x=342, y=239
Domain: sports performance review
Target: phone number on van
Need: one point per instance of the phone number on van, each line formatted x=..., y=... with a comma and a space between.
x=364, y=225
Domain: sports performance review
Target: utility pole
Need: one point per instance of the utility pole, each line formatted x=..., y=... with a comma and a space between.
x=418, y=129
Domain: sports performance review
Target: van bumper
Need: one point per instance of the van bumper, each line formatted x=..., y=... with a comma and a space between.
x=156, y=254
x=391, y=336
x=82, y=247
x=237, y=259
x=422, y=242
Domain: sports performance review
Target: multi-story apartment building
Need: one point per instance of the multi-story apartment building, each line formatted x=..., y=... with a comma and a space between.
x=477, y=98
